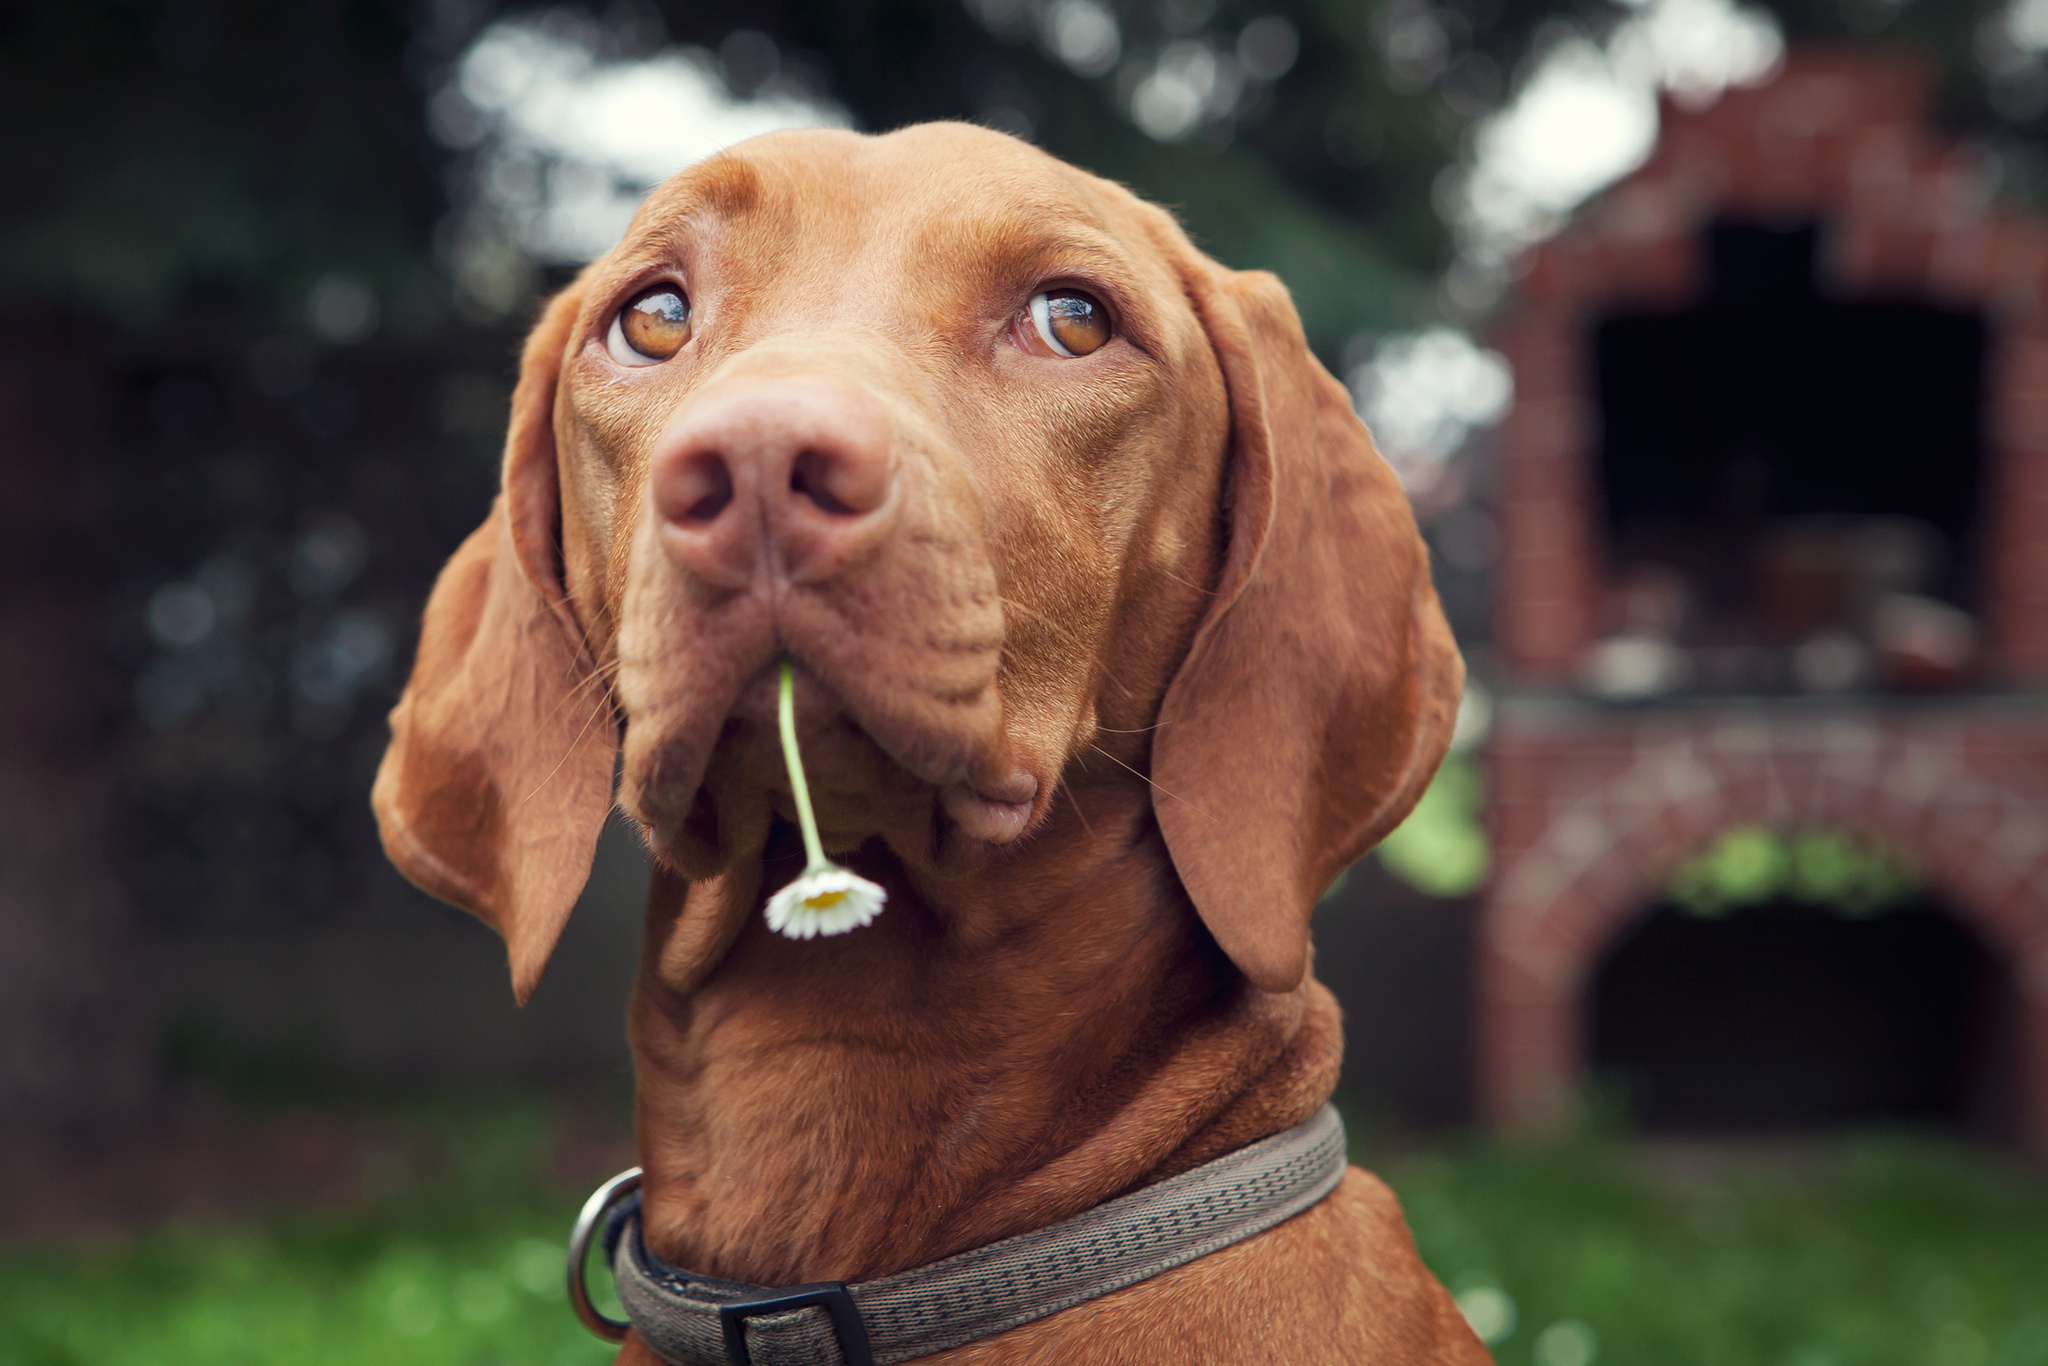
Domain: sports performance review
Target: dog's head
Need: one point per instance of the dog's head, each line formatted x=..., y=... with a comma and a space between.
x=1018, y=479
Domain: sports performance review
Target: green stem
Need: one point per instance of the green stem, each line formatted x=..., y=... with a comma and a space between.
x=786, y=716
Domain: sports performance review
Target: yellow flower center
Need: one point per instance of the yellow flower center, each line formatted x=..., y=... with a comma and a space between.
x=824, y=901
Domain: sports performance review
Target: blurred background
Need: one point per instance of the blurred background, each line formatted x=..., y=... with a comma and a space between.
x=1700, y=1013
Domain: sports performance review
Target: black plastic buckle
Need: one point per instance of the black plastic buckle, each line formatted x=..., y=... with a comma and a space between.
x=831, y=1296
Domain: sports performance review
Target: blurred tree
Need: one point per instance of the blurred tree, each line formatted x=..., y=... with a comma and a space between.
x=193, y=154
x=233, y=154
x=173, y=153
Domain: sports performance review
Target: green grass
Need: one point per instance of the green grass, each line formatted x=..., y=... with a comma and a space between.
x=1862, y=1252
x=1868, y=1251
x=457, y=1266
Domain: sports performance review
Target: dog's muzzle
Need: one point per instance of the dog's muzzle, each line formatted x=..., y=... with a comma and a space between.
x=691, y=1320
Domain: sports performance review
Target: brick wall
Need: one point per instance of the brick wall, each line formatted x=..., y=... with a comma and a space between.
x=1594, y=807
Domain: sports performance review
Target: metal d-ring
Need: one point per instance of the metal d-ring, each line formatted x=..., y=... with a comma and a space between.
x=588, y=1223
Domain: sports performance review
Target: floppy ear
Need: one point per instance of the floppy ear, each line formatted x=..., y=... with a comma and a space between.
x=499, y=773
x=1317, y=698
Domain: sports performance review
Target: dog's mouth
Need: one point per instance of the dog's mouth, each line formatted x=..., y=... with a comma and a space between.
x=983, y=798
x=996, y=803
x=870, y=771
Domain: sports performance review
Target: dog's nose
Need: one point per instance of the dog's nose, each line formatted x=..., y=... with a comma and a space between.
x=803, y=468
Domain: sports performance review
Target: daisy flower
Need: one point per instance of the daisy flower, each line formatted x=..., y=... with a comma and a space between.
x=825, y=898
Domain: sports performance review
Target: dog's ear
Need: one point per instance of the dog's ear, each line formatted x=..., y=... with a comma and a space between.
x=499, y=774
x=1317, y=698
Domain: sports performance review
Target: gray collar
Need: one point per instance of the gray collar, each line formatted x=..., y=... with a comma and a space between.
x=691, y=1320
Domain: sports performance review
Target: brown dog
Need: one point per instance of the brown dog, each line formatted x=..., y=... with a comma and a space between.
x=1115, y=642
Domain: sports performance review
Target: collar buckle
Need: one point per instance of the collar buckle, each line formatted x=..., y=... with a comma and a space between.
x=831, y=1296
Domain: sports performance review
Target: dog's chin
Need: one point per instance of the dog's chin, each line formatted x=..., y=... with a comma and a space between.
x=997, y=818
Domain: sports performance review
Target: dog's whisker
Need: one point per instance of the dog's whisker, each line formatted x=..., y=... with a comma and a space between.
x=1066, y=632
x=1149, y=782
x=603, y=673
x=1206, y=590
x=603, y=707
x=1072, y=639
x=1075, y=802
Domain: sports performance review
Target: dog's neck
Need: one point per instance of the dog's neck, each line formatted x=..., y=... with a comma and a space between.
x=989, y=1057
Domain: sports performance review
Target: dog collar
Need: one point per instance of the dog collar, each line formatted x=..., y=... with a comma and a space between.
x=691, y=1320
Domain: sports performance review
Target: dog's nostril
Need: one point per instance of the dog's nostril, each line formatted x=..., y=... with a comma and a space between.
x=708, y=507
x=809, y=477
x=703, y=491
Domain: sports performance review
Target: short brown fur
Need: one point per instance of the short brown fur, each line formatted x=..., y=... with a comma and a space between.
x=1163, y=605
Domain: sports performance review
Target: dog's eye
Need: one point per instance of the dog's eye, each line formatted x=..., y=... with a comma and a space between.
x=1069, y=322
x=651, y=328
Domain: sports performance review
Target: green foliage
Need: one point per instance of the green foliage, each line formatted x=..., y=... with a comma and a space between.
x=460, y=1263
x=1441, y=848
x=1750, y=866
x=1865, y=1252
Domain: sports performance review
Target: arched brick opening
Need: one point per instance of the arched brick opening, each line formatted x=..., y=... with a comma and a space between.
x=1649, y=790
x=1593, y=805
x=1785, y=1015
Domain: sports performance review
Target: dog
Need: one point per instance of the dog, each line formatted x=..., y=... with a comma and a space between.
x=1114, y=641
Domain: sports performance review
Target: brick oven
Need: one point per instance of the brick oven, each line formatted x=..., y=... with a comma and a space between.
x=1773, y=505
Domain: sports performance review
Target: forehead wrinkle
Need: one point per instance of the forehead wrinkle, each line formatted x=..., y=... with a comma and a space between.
x=723, y=193
x=726, y=183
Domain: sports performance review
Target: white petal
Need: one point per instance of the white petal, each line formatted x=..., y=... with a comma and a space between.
x=850, y=901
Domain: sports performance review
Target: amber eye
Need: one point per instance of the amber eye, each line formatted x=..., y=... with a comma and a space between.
x=651, y=328
x=1069, y=322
